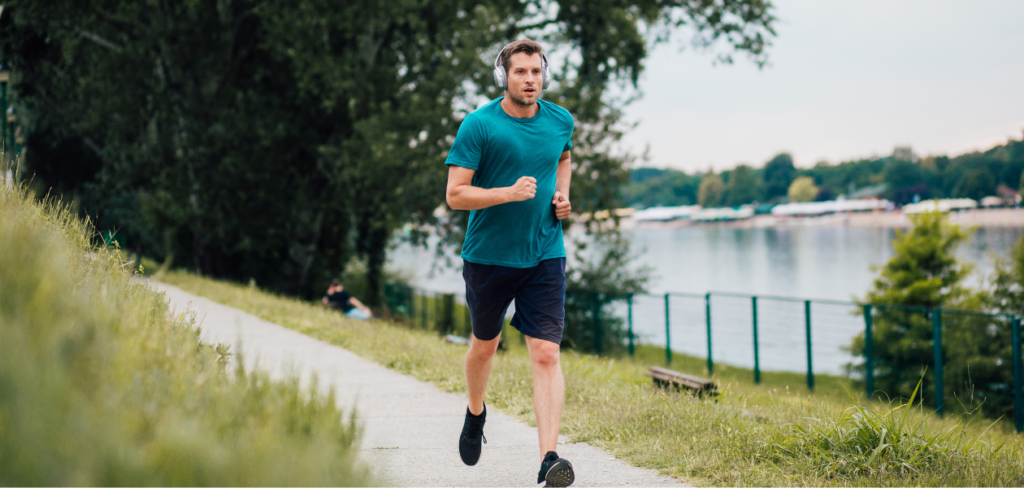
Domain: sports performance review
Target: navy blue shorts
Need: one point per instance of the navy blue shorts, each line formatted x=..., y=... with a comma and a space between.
x=539, y=293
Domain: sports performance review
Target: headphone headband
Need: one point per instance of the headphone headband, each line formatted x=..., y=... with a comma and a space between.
x=501, y=76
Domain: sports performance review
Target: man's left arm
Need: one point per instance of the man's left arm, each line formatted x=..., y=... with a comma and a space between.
x=563, y=177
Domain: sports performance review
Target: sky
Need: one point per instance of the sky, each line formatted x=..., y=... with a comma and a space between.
x=846, y=80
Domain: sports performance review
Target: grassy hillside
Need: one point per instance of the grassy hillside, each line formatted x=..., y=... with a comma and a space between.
x=99, y=386
x=769, y=434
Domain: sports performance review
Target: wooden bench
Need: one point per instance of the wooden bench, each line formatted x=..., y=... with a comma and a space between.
x=664, y=378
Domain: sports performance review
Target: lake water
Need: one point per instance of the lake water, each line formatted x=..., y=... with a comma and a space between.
x=807, y=262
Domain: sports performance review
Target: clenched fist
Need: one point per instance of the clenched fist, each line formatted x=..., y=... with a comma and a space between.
x=562, y=205
x=524, y=189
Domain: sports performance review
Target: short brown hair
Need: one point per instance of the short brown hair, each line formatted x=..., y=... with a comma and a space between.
x=524, y=46
x=335, y=282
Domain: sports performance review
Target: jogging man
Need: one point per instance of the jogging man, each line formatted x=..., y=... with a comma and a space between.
x=509, y=165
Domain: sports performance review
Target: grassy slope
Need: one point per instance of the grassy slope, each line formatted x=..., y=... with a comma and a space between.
x=99, y=386
x=609, y=403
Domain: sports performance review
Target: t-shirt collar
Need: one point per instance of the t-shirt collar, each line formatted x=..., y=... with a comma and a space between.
x=540, y=109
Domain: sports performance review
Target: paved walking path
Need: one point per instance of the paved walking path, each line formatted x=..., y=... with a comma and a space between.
x=411, y=429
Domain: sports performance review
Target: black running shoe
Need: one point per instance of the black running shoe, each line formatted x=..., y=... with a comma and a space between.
x=555, y=471
x=472, y=435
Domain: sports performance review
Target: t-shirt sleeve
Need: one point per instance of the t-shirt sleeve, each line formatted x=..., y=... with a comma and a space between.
x=468, y=147
x=568, y=140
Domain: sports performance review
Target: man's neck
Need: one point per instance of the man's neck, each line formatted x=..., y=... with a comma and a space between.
x=519, y=111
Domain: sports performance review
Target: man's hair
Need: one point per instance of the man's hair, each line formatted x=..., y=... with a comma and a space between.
x=525, y=46
x=335, y=282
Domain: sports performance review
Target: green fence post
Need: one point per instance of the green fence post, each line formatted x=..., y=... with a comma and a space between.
x=435, y=321
x=810, y=362
x=424, y=312
x=629, y=308
x=757, y=359
x=869, y=352
x=597, y=323
x=1018, y=375
x=411, y=303
x=940, y=394
x=668, y=334
x=447, y=322
x=707, y=316
x=3, y=116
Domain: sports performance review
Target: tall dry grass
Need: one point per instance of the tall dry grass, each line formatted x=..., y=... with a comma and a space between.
x=100, y=386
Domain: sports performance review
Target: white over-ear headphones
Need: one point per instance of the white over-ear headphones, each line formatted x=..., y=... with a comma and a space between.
x=501, y=76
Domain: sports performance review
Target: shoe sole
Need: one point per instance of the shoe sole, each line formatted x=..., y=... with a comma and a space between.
x=560, y=475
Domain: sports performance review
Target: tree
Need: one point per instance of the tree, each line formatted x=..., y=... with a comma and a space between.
x=986, y=345
x=922, y=273
x=977, y=184
x=803, y=189
x=711, y=192
x=346, y=111
x=904, y=180
x=649, y=187
x=778, y=174
x=744, y=186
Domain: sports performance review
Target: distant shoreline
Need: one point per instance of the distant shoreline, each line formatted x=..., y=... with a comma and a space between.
x=997, y=217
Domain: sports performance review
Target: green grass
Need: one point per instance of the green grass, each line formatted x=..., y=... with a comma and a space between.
x=749, y=436
x=100, y=386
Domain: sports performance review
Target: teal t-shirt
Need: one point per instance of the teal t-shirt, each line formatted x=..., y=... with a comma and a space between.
x=502, y=149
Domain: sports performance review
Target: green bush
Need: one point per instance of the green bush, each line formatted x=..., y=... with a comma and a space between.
x=923, y=275
x=100, y=386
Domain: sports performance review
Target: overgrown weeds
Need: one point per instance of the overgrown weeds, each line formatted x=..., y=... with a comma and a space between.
x=100, y=386
x=864, y=442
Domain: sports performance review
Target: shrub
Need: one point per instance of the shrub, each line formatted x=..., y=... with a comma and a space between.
x=925, y=273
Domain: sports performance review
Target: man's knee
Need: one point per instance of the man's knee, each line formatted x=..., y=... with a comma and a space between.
x=483, y=350
x=545, y=354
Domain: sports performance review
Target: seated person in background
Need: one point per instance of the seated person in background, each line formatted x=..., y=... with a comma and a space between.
x=337, y=297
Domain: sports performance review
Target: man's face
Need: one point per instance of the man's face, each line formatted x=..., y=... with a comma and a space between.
x=525, y=78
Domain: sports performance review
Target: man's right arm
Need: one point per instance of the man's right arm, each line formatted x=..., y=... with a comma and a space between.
x=462, y=195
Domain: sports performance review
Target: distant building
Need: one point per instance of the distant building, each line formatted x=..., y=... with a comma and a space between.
x=1009, y=195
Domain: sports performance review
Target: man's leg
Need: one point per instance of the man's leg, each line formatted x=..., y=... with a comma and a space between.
x=548, y=391
x=478, y=369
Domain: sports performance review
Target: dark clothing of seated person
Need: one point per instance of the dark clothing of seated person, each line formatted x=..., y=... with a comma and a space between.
x=337, y=297
x=340, y=299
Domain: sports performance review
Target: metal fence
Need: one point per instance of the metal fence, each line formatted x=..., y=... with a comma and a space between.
x=971, y=358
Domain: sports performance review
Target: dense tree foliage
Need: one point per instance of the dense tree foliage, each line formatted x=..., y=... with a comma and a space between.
x=649, y=187
x=905, y=177
x=744, y=186
x=778, y=174
x=277, y=140
x=802, y=189
x=712, y=191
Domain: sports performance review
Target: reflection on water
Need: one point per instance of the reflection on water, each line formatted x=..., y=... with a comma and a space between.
x=808, y=262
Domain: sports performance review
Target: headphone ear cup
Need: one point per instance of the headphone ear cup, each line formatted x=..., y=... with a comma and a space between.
x=500, y=78
x=547, y=76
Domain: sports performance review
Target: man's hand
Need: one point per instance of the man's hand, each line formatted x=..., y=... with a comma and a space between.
x=562, y=205
x=524, y=189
